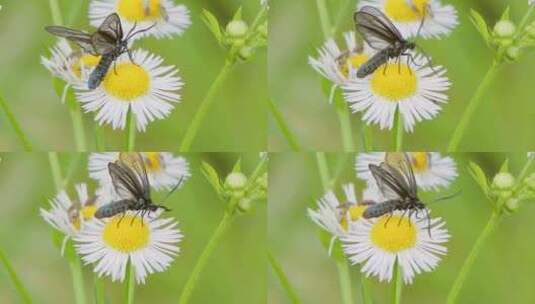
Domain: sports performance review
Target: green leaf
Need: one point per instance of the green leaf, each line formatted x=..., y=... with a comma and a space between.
x=213, y=25
x=237, y=166
x=212, y=177
x=238, y=15
x=479, y=176
x=506, y=14
x=505, y=167
x=480, y=25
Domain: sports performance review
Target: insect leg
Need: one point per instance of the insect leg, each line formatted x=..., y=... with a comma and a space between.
x=389, y=217
x=134, y=217
x=131, y=57
x=428, y=222
x=121, y=219
x=402, y=215
x=399, y=64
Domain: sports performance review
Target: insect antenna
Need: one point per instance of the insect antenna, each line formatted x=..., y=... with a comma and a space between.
x=133, y=34
x=171, y=192
x=447, y=197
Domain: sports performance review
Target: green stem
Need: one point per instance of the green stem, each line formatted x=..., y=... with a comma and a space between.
x=56, y=170
x=345, y=7
x=397, y=285
x=78, y=126
x=345, y=281
x=525, y=170
x=524, y=21
x=130, y=284
x=131, y=131
x=323, y=169
x=345, y=124
x=398, y=132
x=71, y=171
x=193, y=128
x=100, y=142
x=77, y=279
x=23, y=293
x=203, y=259
x=100, y=297
x=469, y=262
x=367, y=142
x=283, y=126
x=366, y=292
x=324, y=18
x=472, y=106
x=56, y=12
x=283, y=279
x=16, y=126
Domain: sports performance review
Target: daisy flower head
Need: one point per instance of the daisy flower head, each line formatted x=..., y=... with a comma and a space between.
x=144, y=86
x=70, y=216
x=149, y=244
x=161, y=18
x=407, y=16
x=415, y=89
x=416, y=244
x=431, y=170
x=164, y=170
x=335, y=63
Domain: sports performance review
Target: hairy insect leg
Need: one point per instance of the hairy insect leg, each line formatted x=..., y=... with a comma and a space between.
x=131, y=57
x=134, y=217
x=402, y=215
x=121, y=219
x=385, y=68
x=389, y=217
x=428, y=222
x=399, y=64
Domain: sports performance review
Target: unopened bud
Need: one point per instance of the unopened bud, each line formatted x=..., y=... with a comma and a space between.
x=503, y=181
x=504, y=29
x=237, y=28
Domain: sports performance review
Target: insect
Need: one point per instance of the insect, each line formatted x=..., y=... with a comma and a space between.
x=380, y=34
x=130, y=181
x=395, y=179
x=108, y=41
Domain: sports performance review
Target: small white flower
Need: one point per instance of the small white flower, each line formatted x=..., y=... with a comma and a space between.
x=531, y=2
x=71, y=215
x=531, y=154
x=166, y=17
x=431, y=170
x=164, y=170
x=148, y=244
x=415, y=90
x=378, y=243
x=407, y=16
x=264, y=2
x=337, y=64
x=144, y=86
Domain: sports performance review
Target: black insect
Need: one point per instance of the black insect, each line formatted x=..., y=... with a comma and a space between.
x=129, y=178
x=395, y=179
x=108, y=41
x=380, y=34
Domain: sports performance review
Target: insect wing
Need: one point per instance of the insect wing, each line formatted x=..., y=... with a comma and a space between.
x=111, y=26
x=405, y=166
x=83, y=39
x=390, y=181
x=135, y=162
x=376, y=29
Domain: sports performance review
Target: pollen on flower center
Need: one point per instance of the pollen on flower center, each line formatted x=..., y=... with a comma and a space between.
x=88, y=212
x=127, y=81
x=420, y=161
x=128, y=235
x=86, y=61
x=138, y=10
x=406, y=11
x=152, y=161
x=397, y=235
x=396, y=83
x=354, y=61
x=355, y=213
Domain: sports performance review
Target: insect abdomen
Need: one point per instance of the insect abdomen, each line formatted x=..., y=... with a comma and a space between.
x=100, y=71
x=112, y=209
x=373, y=63
x=380, y=209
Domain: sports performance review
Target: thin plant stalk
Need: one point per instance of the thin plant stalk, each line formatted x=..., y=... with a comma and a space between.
x=283, y=279
x=130, y=284
x=19, y=286
x=131, y=131
x=16, y=126
x=367, y=142
x=55, y=169
x=77, y=126
x=205, y=105
x=525, y=20
x=100, y=297
x=472, y=106
x=100, y=142
x=75, y=266
x=469, y=262
x=324, y=18
x=283, y=126
x=365, y=288
x=525, y=169
x=397, y=285
x=203, y=259
x=398, y=132
x=345, y=125
x=56, y=12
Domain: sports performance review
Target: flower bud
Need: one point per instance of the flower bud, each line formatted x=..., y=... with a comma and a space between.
x=530, y=182
x=512, y=53
x=512, y=204
x=504, y=29
x=263, y=30
x=244, y=205
x=237, y=29
x=245, y=53
x=236, y=181
x=503, y=181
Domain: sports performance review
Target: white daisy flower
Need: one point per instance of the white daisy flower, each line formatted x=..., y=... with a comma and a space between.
x=336, y=64
x=144, y=86
x=71, y=215
x=164, y=170
x=431, y=170
x=378, y=243
x=407, y=16
x=165, y=17
x=334, y=215
x=415, y=90
x=148, y=244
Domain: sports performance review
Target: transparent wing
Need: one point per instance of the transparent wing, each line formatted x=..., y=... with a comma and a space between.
x=406, y=168
x=102, y=43
x=135, y=162
x=83, y=39
x=111, y=27
x=124, y=181
x=390, y=181
x=375, y=28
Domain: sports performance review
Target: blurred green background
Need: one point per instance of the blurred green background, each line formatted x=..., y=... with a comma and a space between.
x=235, y=273
x=504, y=122
x=236, y=122
x=503, y=273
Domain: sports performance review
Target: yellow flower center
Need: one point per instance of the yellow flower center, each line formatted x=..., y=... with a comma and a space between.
x=394, y=84
x=86, y=61
x=420, y=161
x=139, y=10
x=152, y=161
x=397, y=235
x=131, y=234
x=406, y=10
x=355, y=212
x=127, y=82
x=354, y=60
x=87, y=213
